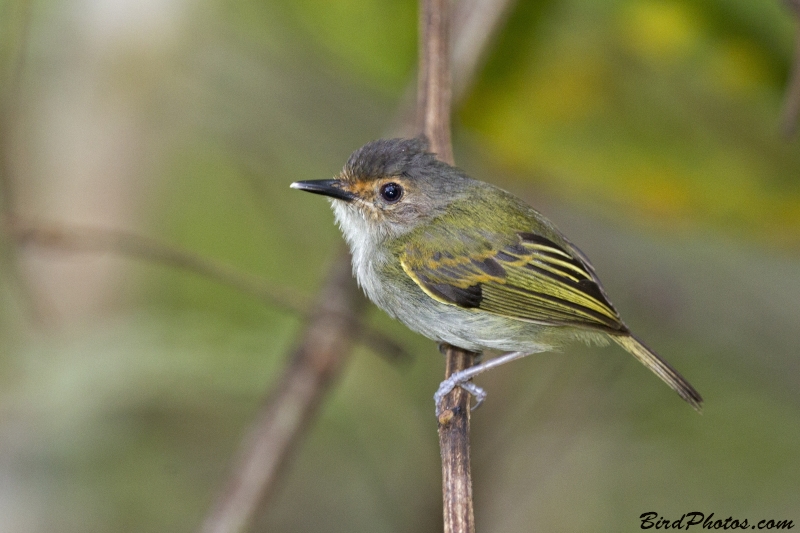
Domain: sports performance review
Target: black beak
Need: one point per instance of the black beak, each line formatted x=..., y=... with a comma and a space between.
x=330, y=188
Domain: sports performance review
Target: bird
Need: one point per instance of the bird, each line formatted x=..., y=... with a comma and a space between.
x=466, y=263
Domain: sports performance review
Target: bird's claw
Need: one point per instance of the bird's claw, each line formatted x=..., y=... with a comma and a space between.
x=458, y=380
x=478, y=393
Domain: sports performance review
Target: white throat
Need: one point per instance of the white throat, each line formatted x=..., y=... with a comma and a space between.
x=363, y=240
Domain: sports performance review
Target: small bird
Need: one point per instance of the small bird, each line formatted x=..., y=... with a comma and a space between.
x=468, y=264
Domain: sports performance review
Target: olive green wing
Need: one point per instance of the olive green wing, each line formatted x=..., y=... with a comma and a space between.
x=529, y=277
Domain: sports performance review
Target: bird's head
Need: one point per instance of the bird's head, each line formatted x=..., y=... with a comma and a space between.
x=389, y=187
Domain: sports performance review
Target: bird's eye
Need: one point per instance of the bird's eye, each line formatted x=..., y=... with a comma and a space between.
x=391, y=192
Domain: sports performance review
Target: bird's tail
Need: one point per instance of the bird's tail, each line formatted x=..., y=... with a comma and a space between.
x=661, y=368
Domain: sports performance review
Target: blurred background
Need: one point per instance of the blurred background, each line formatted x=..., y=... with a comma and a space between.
x=647, y=130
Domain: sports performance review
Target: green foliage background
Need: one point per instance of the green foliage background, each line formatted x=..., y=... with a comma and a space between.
x=646, y=129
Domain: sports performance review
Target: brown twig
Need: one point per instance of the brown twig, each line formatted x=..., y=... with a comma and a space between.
x=791, y=102
x=454, y=421
x=281, y=422
x=434, y=92
x=454, y=444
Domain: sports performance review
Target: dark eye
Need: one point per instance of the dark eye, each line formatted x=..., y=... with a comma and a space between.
x=391, y=192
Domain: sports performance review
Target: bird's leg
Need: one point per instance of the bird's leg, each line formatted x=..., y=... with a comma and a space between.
x=462, y=377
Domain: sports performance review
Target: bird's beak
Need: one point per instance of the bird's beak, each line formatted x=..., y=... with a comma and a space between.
x=330, y=188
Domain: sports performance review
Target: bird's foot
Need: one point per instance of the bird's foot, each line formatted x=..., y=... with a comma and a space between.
x=459, y=379
x=462, y=379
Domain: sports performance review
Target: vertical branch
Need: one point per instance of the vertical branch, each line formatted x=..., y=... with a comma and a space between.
x=434, y=93
x=433, y=112
x=459, y=516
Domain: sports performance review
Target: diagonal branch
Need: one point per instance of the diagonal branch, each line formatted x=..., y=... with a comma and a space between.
x=94, y=239
x=101, y=240
x=281, y=422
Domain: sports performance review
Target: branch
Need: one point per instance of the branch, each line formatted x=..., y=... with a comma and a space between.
x=292, y=405
x=433, y=96
x=434, y=111
x=92, y=239
x=88, y=239
x=459, y=516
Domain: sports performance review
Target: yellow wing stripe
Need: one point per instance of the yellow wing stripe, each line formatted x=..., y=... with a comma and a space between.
x=534, y=281
x=550, y=268
x=545, y=248
x=565, y=264
x=422, y=285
